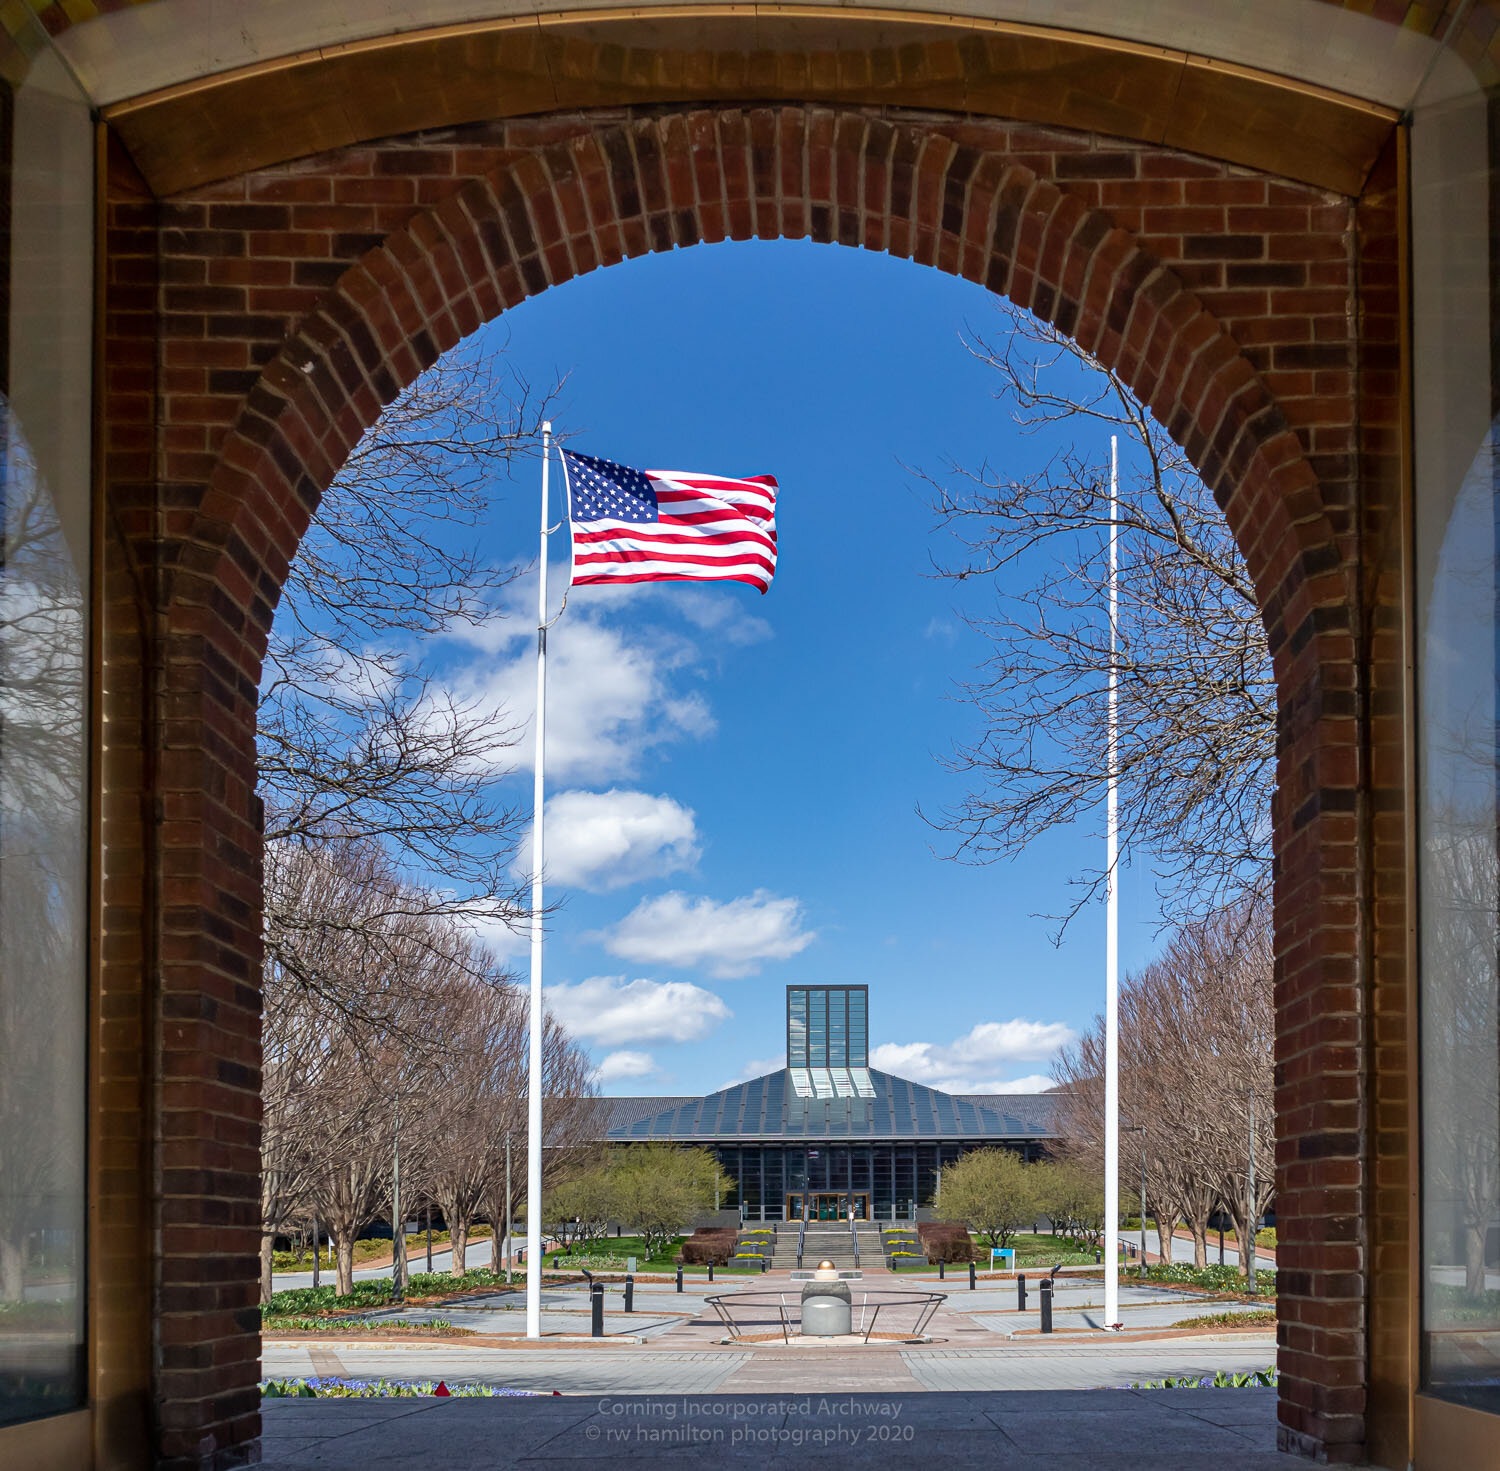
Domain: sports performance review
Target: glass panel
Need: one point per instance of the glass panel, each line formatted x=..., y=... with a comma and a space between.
x=796, y=1029
x=838, y=1029
x=1457, y=592
x=859, y=1029
x=46, y=233
x=817, y=1029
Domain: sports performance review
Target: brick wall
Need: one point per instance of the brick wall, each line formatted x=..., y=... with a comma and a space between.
x=293, y=302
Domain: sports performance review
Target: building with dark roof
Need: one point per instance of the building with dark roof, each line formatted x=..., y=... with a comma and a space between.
x=827, y=1132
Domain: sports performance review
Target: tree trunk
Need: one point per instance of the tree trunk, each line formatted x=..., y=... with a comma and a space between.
x=1165, y=1229
x=458, y=1234
x=12, y=1269
x=1242, y=1240
x=497, y=1230
x=1474, y=1276
x=267, y=1250
x=343, y=1263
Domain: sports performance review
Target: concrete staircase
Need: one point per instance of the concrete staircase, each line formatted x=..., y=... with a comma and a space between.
x=825, y=1239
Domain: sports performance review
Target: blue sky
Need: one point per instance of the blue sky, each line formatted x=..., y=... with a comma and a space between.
x=736, y=778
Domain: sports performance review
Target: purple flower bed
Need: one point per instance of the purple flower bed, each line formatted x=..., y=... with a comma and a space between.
x=383, y=1389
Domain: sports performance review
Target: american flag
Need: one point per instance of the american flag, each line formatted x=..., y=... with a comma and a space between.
x=669, y=525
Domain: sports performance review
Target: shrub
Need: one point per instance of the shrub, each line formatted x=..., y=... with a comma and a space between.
x=945, y=1242
x=1215, y=1279
x=714, y=1244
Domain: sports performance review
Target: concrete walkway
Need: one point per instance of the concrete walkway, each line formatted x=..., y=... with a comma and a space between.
x=1118, y=1430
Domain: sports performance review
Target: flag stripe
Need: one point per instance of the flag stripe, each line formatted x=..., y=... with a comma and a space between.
x=610, y=536
x=656, y=554
x=621, y=574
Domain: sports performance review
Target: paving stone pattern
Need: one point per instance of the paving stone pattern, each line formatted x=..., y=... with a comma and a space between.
x=1228, y=1430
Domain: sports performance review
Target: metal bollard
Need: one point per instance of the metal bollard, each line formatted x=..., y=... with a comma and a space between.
x=596, y=1310
x=941, y=1273
x=1098, y=1256
x=1046, y=1304
x=710, y=1271
x=679, y=1276
x=765, y=1264
x=629, y=1293
x=1020, y=1292
x=971, y=1276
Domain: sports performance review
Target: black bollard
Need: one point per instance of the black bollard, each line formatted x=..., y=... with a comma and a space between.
x=1098, y=1256
x=629, y=1293
x=971, y=1276
x=679, y=1276
x=710, y=1271
x=765, y=1264
x=596, y=1309
x=1046, y=1304
x=941, y=1273
x=1020, y=1292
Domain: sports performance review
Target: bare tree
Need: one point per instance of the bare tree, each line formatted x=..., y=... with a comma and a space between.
x=1196, y=1032
x=474, y=1094
x=1461, y=876
x=357, y=737
x=43, y=872
x=1197, y=710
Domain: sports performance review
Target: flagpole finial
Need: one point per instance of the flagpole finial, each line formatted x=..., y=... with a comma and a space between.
x=546, y=426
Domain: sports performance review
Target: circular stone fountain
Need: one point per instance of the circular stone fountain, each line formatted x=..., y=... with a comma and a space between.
x=827, y=1304
x=829, y=1311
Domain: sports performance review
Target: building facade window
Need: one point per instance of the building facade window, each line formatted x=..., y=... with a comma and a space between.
x=46, y=263
x=1457, y=592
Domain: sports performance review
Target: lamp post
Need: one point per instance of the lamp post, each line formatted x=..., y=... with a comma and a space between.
x=1250, y=1212
x=509, y=1248
x=398, y=1225
x=1141, y=1130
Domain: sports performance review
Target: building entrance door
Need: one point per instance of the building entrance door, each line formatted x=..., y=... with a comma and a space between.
x=834, y=1206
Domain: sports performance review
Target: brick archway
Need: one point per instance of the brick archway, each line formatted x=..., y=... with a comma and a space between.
x=296, y=303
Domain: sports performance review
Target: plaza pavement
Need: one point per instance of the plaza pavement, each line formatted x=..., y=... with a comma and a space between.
x=1050, y=1430
x=674, y=1341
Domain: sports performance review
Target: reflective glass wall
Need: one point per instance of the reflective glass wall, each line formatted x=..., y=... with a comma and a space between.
x=46, y=155
x=1457, y=587
x=898, y=1178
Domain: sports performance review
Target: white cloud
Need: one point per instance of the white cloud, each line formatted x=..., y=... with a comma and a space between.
x=1031, y=1083
x=721, y=614
x=611, y=695
x=626, y=1065
x=970, y=1064
x=507, y=943
x=613, y=1010
x=757, y=1067
x=604, y=840
x=730, y=939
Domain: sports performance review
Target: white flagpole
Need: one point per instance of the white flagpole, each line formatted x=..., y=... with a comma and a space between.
x=534, y=1073
x=1112, y=936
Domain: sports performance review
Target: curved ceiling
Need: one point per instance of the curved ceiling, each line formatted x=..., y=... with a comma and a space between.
x=1373, y=49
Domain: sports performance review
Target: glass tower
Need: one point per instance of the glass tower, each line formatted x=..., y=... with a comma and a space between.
x=828, y=1041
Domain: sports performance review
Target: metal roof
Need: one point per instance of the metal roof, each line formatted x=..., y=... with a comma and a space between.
x=767, y=1107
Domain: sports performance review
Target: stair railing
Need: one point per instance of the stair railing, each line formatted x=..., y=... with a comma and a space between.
x=854, y=1238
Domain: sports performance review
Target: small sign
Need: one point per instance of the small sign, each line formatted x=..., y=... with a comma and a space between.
x=1007, y=1256
x=630, y=1264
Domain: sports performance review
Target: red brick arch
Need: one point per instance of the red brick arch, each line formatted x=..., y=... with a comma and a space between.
x=296, y=303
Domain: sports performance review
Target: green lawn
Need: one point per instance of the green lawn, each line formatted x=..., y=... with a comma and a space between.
x=622, y=1248
x=374, y=1248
